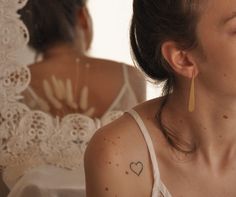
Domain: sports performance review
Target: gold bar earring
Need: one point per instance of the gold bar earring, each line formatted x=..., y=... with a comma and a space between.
x=191, y=103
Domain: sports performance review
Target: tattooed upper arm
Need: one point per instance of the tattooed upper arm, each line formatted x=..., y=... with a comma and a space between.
x=111, y=166
x=136, y=167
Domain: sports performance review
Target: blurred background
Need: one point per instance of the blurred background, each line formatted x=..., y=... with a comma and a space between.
x=111, y=20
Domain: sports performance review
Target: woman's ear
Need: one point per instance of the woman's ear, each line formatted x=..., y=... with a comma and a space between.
x=85, y=24
x=181, y=61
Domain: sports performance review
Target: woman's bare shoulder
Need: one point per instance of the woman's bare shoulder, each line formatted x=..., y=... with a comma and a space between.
x=109, y=159
x=123, y=135
x=121, y=131
x=103, y=62
x=110, y=65
x=114, y=69
x=115, y=64
x=117, y=161
x=112, y=139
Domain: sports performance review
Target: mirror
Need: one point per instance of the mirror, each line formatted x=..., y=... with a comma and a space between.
x=54, y=96
x=65, y=39
x=14, y=78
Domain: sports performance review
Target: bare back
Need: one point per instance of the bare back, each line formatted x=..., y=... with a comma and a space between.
x=103, y=78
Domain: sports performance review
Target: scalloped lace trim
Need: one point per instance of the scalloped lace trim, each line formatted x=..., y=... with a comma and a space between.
x=33, y=138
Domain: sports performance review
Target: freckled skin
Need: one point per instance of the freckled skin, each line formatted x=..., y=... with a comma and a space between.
x=109, y=141
x=225, y=117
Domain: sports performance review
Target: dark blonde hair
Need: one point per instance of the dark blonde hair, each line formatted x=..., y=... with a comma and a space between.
x=50, y=21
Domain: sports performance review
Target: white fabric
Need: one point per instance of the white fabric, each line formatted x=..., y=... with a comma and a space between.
x=159, y=189
x=42, y=140
x=50, y=181
x=40, y=154
x=61, y=151
x=14, y=77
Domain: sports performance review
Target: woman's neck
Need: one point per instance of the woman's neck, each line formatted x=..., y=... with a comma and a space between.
x=63, y=50
x=211, y=127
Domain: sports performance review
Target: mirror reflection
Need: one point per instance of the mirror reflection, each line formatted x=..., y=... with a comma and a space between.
x=66, y=80
x=78, y=93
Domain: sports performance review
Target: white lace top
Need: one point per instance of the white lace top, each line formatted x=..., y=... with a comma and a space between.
x=41, y=140
x=40, y=155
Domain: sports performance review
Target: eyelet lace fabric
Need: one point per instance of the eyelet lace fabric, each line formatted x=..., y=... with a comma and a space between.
x=41, y=139
x=33, y=138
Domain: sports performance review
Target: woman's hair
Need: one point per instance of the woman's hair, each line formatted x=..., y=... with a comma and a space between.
x=50, y=21
x=153, y=23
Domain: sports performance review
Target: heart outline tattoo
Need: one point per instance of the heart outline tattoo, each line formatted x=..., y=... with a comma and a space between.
x=136, y=167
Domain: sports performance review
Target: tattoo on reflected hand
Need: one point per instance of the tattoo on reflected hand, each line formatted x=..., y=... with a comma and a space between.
x=136, y=167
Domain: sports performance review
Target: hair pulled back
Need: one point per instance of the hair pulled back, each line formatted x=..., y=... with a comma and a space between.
x=50, y=21
x=153, y=23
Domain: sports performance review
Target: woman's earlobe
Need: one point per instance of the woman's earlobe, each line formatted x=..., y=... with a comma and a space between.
x=179, y=60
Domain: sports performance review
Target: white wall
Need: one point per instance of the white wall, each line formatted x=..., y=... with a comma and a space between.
x=111, y=20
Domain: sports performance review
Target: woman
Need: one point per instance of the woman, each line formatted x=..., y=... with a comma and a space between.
x=66, y=80
x=184, y=143
x=84, y=93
